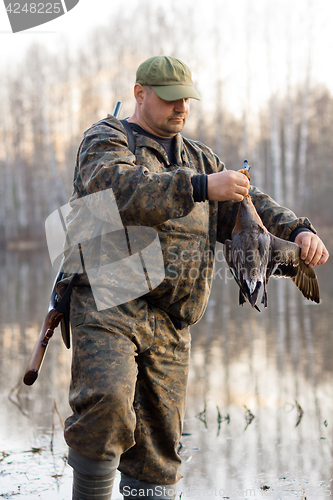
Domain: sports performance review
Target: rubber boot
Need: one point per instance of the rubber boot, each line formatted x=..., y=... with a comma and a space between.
x=92, y=479
x=133, y=489
x=92, y=487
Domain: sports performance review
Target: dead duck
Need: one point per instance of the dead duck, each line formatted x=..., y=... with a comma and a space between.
x=254, y=255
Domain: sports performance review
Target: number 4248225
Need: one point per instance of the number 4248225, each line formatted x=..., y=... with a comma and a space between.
x=34, y=8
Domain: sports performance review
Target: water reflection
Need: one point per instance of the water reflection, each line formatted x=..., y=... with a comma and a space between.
x=268, y=363
x=265, y=363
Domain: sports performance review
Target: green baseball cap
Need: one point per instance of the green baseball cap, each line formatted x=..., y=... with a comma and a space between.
x=169, y=78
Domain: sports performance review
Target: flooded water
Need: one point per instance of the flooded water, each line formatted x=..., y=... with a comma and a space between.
x=259, y=415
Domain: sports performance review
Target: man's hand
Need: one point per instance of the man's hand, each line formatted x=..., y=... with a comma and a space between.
x=227, y=185
x=313, y=250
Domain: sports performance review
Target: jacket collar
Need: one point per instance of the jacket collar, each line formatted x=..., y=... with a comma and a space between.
x=180, y=151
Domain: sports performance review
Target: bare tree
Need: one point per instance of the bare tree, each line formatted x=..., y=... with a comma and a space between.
x=303, y=133
x=274, y=114
x=289, y=129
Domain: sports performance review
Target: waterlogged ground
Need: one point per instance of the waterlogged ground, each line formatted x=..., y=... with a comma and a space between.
x=260, y=398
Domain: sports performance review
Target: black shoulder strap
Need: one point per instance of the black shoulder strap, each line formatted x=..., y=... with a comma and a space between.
x=130, y=135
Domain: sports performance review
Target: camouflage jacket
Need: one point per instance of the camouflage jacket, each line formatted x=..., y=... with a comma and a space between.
x=149, y=191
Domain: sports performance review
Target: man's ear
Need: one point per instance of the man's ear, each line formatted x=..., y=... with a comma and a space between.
x=139, y=93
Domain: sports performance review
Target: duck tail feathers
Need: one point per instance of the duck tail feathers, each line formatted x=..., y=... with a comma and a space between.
x=253, y=297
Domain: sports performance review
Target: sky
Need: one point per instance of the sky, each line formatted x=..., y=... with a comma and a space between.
x=262, y=40
x=73, y=26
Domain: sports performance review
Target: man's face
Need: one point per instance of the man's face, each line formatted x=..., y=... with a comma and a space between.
x=164, y=118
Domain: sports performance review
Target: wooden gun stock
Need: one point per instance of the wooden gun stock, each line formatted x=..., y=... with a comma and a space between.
x=52, y=320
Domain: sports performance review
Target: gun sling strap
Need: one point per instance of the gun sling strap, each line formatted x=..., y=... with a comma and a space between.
x=130, y=135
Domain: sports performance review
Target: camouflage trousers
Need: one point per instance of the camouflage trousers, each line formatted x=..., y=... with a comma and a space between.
x=128, y=387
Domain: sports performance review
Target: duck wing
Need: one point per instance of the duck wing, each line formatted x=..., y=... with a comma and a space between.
x=229, y=257
x=235, y=257
x=286, y=261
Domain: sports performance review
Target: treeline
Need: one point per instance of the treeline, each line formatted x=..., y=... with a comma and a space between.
x=49, y=99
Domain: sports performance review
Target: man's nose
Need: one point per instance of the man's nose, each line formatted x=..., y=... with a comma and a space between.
x=181, y=105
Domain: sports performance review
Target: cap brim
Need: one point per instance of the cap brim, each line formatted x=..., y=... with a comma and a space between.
x=175, y=92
